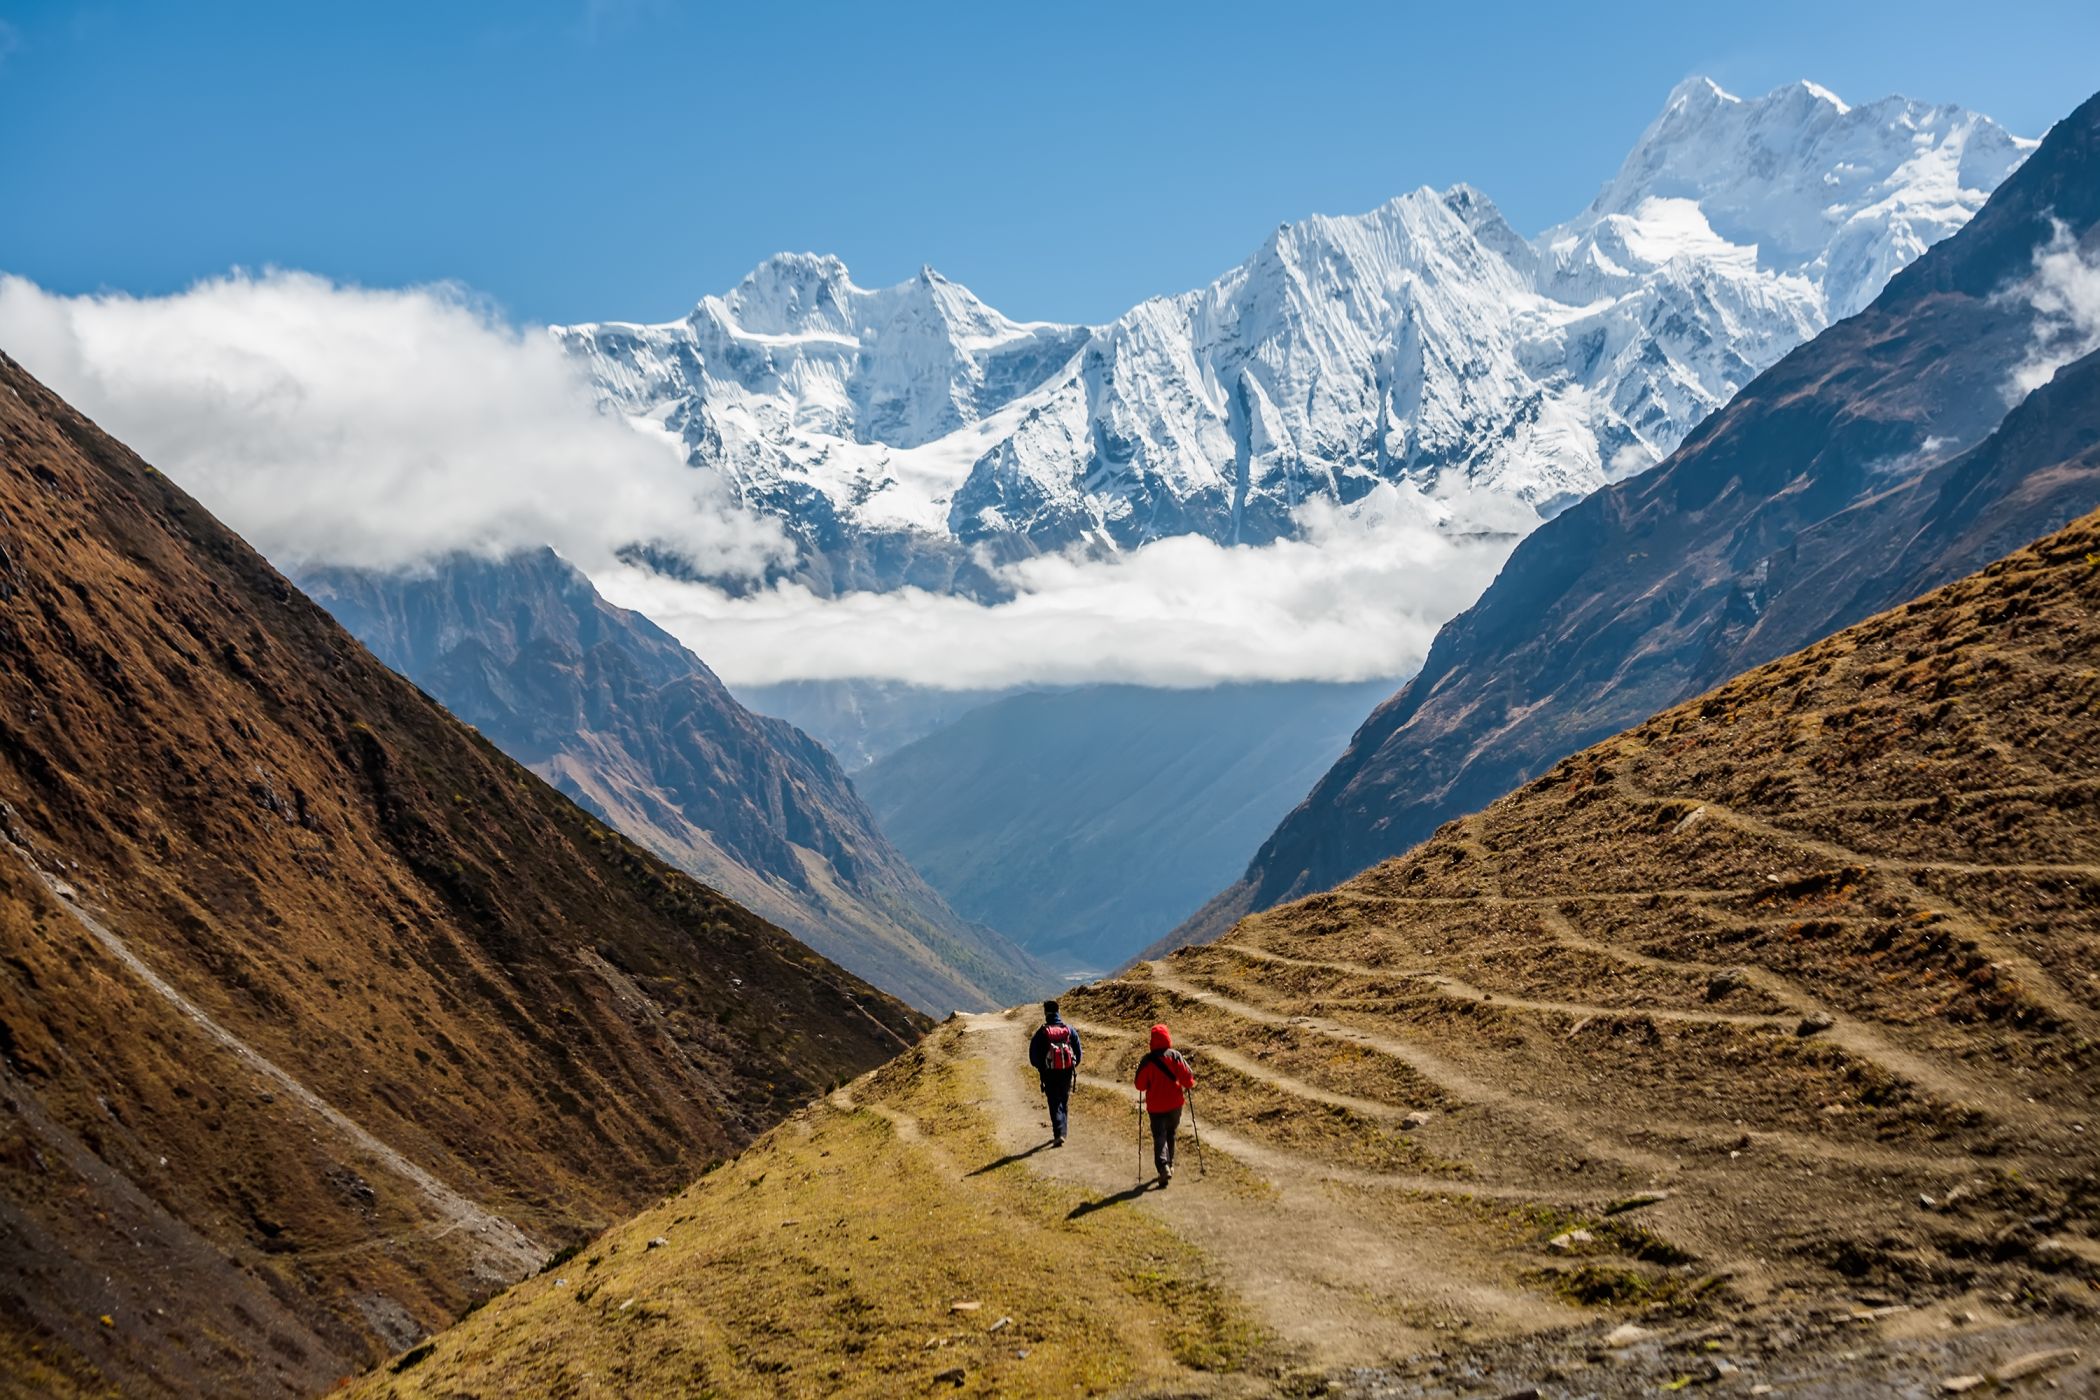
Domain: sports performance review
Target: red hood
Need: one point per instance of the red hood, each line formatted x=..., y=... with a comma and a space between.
x=1162, y=1038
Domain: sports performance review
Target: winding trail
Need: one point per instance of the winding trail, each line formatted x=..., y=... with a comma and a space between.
x=1535, y=1114
x=507, y=1252
x=1444, y=984
x=2041, y=986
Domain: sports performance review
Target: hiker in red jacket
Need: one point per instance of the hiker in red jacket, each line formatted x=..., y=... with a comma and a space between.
x=1163, y=1082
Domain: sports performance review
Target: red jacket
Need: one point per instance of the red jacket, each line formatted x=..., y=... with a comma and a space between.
x=1163, y=1076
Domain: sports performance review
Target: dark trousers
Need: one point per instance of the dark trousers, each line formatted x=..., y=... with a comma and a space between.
x=1057, y=1090
x=1164, y=1126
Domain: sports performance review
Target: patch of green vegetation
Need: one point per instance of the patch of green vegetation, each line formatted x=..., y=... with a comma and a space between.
x=1598, y=1284
x=560, y=1257
x=414, y=1356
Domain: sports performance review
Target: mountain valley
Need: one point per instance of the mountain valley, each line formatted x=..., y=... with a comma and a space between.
x=1087, y=823
x=319, y=1018
x=1588, y=735
x=1753, y=1046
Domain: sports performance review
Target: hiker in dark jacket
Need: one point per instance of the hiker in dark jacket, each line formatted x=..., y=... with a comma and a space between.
x=1163, y=1081
x=1054, y=1051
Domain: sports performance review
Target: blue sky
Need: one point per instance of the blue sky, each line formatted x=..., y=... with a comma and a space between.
x=585, y=160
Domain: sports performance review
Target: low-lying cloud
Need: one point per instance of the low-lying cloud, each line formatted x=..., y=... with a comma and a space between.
x=387, y=428
x=376, y=428
x=2065, y=294
x=1359, y=596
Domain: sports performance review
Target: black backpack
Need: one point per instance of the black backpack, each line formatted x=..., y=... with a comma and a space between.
x=1166, y=1060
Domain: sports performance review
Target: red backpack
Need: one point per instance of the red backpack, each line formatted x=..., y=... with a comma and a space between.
x=1059, y=1054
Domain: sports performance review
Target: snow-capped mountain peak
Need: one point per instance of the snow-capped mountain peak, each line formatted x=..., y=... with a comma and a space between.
x=790, y=294
x=798, y=352
x=907, y=434
x=1843, y=195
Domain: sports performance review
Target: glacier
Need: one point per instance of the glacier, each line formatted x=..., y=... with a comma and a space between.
x=912, y=436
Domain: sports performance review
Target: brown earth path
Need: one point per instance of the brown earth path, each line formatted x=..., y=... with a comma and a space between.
x=1797, y=1145
x=1255, y=1069
x=2040, y=983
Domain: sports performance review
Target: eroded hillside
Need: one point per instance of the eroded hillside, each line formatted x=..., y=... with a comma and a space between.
x=1755, y=1045
x=319, y=1018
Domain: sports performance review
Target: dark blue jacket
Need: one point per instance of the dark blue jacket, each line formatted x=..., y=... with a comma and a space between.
x=1039, y=1046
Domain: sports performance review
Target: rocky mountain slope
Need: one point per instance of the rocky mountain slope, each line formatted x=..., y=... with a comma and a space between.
x=319, y=1017
x=1849, y=476
x=1754, y=1047
x=612, y=711
x=914, y=436
x=1087, y=823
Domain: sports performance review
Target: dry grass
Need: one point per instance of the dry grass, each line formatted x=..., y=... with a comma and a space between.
x=828, y=1260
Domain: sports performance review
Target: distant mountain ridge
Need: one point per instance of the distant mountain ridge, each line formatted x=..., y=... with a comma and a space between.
x=617, y=714
x=914, y=436
x=1872, y=463
x=860, y=721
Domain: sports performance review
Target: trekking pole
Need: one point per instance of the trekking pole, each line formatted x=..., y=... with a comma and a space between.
x=1141, y=1139
x=1197, y=1131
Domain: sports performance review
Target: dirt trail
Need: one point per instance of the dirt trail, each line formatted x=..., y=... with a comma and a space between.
x=1274, y=1165
x=1846, y=1032
x=2041, y=984
x=1536, y=1115
x=1329, y=1279
x=1444, y=984
x=507, y=1252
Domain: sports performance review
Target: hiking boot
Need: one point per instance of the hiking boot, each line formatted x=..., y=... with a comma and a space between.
x=1057, y=1142
x=1166, y=1174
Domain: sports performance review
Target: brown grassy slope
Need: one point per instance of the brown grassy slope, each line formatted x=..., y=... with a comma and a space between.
x=1817, y=945
x=1787, y=1001
x=534, y=1014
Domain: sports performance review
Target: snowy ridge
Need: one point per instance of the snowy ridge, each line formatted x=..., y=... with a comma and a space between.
x=1426, y=344
x=1844, y=196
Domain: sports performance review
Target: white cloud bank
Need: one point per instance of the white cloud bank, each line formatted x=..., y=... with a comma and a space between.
x=383, y=428
x=333, y=424
x=1358, y=597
